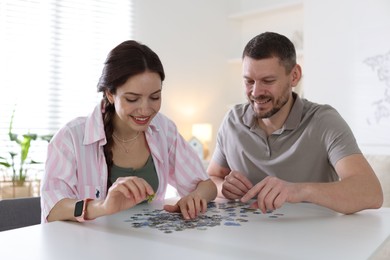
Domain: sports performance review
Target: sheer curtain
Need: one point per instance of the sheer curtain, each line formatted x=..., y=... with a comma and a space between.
x=51, y=57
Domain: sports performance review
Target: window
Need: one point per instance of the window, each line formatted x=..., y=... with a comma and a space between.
x=51, y=56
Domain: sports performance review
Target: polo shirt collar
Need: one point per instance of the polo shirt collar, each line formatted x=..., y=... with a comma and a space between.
x=249, y=118
x=292, y=121
x=295, y=115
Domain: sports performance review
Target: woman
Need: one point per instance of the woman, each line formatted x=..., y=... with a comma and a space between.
x=125, y=151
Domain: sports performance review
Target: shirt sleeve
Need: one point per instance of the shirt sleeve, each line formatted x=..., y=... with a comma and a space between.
x=59, y=180
x=186, y=168
x=337, y=136
x=219, y=155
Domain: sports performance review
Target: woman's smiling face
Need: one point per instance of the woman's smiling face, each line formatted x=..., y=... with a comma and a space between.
x=137, y=101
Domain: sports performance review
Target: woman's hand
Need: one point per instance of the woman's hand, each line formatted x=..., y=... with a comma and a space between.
x=190, y=206
x=195, y=203
x=125, y=193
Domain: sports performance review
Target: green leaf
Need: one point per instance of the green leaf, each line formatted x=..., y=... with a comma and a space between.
x=11, y=122
x=5, y=164
x=25, y=147
x=35, y=162
x=46, y=138
x=31, y=136
x=24, y=142
x=13, y=137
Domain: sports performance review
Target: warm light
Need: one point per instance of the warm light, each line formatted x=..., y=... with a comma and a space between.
x=203, y=132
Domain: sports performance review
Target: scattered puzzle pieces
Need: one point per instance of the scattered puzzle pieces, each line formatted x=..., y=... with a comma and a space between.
x=231, y=213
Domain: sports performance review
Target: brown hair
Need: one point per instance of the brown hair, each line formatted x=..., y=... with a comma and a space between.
x=270, y=44
x=128, y=59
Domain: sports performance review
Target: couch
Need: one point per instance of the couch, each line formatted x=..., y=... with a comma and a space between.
x=381, y=166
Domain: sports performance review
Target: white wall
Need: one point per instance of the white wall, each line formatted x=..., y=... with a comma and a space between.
x=192, y=39
x=197, y=40
x=338, y=37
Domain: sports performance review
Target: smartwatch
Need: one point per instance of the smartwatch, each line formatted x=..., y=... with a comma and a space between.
x=80, y=209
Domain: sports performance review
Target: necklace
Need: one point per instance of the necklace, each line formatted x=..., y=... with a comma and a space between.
x=122, y=142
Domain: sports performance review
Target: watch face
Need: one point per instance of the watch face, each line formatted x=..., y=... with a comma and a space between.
x=78, y=209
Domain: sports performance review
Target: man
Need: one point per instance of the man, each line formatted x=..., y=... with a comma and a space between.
x=279, y=148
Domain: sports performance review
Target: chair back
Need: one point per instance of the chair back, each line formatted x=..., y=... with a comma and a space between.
x=20, y=212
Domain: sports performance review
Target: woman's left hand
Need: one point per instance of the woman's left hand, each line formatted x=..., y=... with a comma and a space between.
x=190, y=206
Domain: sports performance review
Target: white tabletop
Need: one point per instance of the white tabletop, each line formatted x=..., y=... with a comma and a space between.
x=296, y=231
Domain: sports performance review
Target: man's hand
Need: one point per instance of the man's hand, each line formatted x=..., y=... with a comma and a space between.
x=235, y=185
x=272, y=193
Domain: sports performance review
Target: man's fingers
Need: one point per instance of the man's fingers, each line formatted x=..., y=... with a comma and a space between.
x=253, y=192
x=245, y=181
x=232, y=189
x=254, y=205
x=239, y=181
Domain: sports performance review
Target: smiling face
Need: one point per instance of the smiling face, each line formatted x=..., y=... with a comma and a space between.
x=267, y=84
x=136, y=102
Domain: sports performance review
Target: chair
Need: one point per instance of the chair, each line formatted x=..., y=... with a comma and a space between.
x=20, y=212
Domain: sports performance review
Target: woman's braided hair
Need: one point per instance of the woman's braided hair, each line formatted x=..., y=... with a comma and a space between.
x=128, y=59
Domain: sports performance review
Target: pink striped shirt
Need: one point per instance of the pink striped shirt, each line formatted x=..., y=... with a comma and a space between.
x=76, y=167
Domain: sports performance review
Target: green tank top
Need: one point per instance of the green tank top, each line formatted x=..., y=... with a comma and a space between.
x=147, y=172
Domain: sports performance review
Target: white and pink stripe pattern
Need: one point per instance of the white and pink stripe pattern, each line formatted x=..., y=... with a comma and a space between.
x=76, y=166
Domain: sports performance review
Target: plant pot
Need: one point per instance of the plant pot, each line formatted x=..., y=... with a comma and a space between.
x=10, y=189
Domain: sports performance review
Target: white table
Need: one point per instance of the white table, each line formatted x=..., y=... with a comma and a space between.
x=302, y=231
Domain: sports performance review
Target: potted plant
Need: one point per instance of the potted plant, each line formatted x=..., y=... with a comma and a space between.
x=19, y=170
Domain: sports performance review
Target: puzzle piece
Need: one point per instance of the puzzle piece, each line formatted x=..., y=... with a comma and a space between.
x=231, y=213
x=151, y=197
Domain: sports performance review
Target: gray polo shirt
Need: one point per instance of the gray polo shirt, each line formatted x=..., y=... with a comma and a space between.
x=306, y=149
